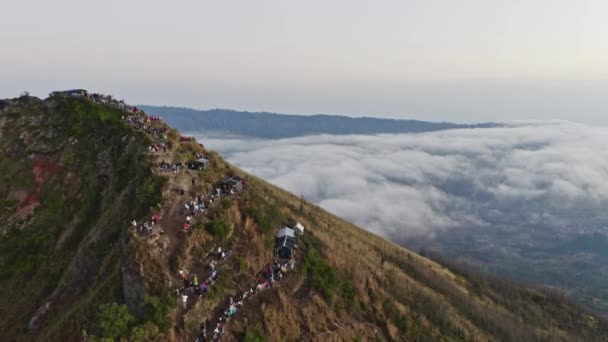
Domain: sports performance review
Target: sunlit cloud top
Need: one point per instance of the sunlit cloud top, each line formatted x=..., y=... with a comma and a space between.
x=414, y=185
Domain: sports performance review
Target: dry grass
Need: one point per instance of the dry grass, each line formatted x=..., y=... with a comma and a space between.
x=399, y=294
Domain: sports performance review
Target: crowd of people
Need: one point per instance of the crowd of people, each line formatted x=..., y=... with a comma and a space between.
x=146, y=226
x=191, y=284
x=157, y=148
x=143, y=123
x=164, y=166
x=226, y=190
x=159, y=133
x=272, y=274
x=139, y=118
x=105, y=100
x=197, y=205
x=120, y=104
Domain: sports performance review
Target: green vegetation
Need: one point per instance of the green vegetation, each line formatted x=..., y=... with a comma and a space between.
x=158, y=309
x=148, y=193
x=7, y=206
x=100, y=184
x=23, y=252
x=268, y=216
x=144, y=332
x=89, y=115
x=218, y=229
x=16, y=175
x=242, y=264
x=226, y=203
x=114, y=320
x=255, y=334
x=218, y=288
x=323, y=276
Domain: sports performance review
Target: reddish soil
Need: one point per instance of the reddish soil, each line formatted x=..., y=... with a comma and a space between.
x=43, y=167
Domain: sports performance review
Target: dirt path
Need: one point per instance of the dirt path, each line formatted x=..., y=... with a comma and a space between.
x=171, y=223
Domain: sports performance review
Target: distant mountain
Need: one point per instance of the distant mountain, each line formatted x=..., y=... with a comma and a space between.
x=276, y=126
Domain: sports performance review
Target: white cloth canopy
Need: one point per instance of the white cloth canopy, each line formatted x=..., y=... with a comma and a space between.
x=299, y=228
x=285, y=231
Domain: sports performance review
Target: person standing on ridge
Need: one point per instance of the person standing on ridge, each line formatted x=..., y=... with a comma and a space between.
x=185, y=300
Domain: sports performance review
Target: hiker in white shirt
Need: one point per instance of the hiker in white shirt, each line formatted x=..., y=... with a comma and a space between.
x=185, y=300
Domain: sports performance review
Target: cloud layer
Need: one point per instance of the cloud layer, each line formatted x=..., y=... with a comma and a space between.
x=553, y=174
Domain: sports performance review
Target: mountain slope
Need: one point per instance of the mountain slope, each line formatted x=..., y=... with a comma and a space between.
x=76, y=173
x=276, y=126
x=72, y=174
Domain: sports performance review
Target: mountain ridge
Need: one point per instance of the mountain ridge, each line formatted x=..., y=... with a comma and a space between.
x=275, y=126
x=108, y=278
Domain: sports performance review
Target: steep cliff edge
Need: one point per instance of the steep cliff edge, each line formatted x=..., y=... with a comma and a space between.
x=71, y=171
x=76, y=171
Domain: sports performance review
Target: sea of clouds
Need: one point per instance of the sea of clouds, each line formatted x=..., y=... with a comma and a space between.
x=420, y=185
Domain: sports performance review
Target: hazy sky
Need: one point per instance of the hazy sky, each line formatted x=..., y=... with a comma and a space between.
x=468, y=60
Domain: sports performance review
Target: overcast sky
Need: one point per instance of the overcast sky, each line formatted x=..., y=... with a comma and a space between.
x=464, y=61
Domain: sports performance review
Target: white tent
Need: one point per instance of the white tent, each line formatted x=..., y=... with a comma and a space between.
x=299, y=228
x=285, y=242
x=285, y=231
x=203, y=160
